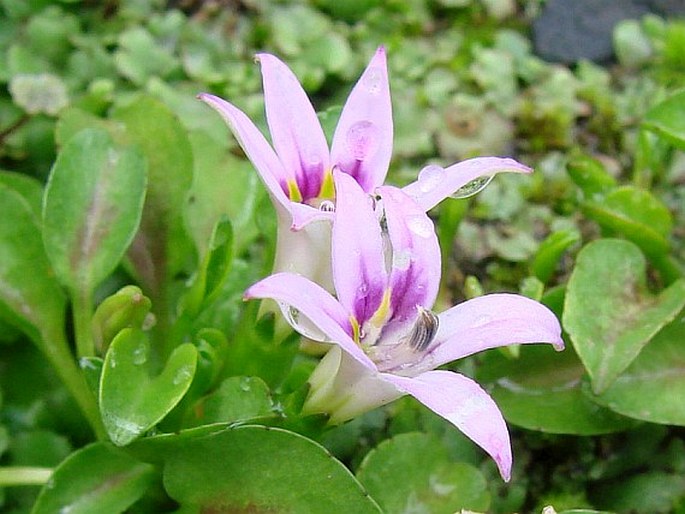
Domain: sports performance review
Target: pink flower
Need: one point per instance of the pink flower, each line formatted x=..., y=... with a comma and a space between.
x=297, y=169
x=386, y=340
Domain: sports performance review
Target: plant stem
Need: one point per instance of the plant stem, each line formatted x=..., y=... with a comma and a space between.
x=4, y=133
x=56, y=349
x=24, y=475
x=82, y=312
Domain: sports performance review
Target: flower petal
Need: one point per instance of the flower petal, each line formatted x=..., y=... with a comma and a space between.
x=362, y=143
x=295, y=130
x=415, y=267
x=358, y=260
x=306, y=252
x=435, y=183
x=314, y=303
x=490, y=321
x=344, y=389
x=462, y=402
x=255, y=146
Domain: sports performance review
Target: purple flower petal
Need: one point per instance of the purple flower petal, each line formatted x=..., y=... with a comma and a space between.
x=256, y=147
x=415, y=267
x=362, y=143
x=435, y=184
x=295, y=130
x=358, y=260
x=462, y=402
x=316, y=304
x=490, y=321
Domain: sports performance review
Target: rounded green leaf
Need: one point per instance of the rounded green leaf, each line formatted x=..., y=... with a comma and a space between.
x=260, y=469
x=92, y=207
x=131, y=400
x=609, y=312
x=653, y=387
x=541, y=390
x=236, y=399
x=97, y=478
x=411, y=473
x=30, y=297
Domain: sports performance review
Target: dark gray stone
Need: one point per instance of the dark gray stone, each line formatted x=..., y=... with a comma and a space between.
x=569, y=30
x=666, y=7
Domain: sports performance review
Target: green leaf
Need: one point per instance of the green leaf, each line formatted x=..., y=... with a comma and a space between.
x=550, y=252
x=28, y=187
x=160, y=249
x=223, y=185
x=30, y=297
x=236, y=399
x=609, y=312
x=667, y=119
x=213, y=269
x=88, y=228
x=411, y=473
x=131, y=400
x=97, y=478
x=541, y=390
x=590, y=176
x=260, y=469
x=653, y=387
x=648, y=493
x=140, y=57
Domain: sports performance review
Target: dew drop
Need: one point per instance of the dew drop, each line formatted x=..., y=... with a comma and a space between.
x=401, y=260
x=302, y=324
x=472, y=188
x=182, y=375
x=327, y=206
x=373, y=79
x=245, y=384
x=362, y=140
x=430, y=177
x=140, y=355
x=420, y=225
x=481, y=320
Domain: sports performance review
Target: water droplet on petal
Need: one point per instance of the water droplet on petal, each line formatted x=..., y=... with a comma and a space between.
x=473, y=187
x=481, y=320
x=430, y=177
x=401, y=260
x=420, y=225
x=302, y=324
x=362, y=140
x=327, y=206
x=373, y=79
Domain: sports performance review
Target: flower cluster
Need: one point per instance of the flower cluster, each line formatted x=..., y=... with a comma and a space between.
x=358, y=262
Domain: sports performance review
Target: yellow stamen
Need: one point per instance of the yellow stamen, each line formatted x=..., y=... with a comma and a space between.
x=382, y=313
x=294, y=191
x=327, y=191
x=356, y=334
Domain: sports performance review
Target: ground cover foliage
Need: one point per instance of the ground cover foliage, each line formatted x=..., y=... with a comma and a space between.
x=133, y=376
